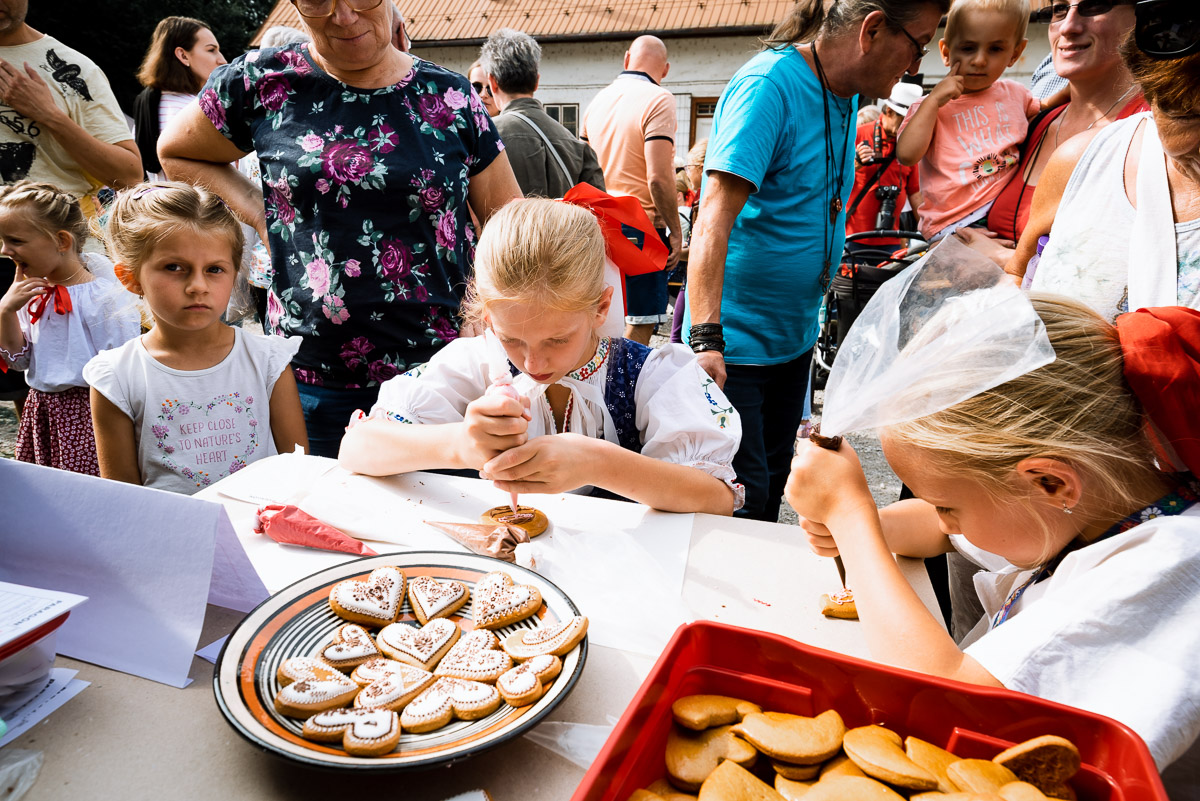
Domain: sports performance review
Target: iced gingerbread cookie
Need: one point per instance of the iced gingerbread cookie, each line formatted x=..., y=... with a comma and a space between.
x=310, y=686
x=557, y=639
x=394, y=685
x=525, y=683
x=533, y=521
x=374, y=601
x=499, y=602
x=447, y=699
x=350, y=647
x=363, y=732
x=422, y=647
x=476, y=656
x=839, y=605
x=431, y=598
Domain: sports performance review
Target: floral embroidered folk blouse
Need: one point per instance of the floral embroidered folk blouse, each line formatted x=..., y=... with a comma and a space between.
x=366, y=206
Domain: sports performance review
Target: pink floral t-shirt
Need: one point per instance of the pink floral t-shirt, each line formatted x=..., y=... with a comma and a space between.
x=973, y=153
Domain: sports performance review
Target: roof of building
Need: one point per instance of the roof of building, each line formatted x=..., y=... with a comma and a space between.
x=441, y=22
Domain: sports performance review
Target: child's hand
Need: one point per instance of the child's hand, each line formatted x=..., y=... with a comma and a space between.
x=826, y=484
x=949, y=88
x=22, y=291
x=556, y=463
x=819, y=539
x=492, y=425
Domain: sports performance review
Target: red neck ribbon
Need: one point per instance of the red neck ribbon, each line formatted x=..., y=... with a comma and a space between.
x=1161, y=347
x=62, y=303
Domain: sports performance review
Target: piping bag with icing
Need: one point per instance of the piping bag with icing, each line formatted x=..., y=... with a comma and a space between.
x=502, y=384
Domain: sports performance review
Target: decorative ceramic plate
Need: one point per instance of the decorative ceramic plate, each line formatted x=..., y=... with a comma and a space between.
x=297, y=621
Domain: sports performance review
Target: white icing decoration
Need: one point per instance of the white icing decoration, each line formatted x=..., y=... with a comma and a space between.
x=365, y=724
x=354, y=643
x=435, y=596
x=379, y=596
x=421, y=643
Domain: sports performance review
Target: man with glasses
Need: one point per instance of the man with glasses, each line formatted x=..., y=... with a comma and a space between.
x=546, y=158
x=780, y=166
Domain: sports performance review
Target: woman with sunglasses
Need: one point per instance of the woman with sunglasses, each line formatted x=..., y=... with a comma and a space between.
x=479, y=83
x=372, y=162
x=1122, y=206
x=1085, y=38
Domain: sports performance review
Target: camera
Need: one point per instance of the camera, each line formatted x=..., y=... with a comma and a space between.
x=887, y=195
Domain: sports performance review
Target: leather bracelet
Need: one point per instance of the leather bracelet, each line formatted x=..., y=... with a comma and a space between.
x=702, y=345
x=703, y=330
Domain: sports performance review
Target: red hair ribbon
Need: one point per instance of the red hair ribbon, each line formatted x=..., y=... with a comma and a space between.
x=62, y=303
x=629, y=235
x=1161, y=347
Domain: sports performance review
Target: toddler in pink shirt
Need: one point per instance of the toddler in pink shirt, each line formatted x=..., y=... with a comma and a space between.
x=966, y=134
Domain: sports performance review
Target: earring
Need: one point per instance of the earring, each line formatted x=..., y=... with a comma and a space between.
x=1067, y=510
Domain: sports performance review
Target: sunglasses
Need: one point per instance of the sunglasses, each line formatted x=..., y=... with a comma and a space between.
x=1057, y=12
x=480, y=87
x=315, y=9
x=1167, y=28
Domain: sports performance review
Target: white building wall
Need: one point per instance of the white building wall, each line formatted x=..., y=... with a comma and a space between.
x=573, y=72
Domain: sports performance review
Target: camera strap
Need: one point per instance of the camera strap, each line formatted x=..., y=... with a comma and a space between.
x=874, y=179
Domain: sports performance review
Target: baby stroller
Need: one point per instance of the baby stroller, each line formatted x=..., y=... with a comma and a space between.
x=859, y=275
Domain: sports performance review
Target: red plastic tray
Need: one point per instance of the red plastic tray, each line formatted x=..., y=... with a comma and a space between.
x=30, y=637
x=787, y=676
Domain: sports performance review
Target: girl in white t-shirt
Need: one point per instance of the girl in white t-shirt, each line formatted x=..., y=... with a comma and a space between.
x=63, y=307
x=591, y=411
x=194, y=399
x=1056, y=473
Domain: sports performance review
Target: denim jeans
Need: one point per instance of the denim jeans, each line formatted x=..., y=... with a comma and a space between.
x=770, y=400
x=327, y=411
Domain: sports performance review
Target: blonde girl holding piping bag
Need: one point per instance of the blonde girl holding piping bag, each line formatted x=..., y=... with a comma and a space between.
x=594, y=412
x=1027, y=426
x=63, y=307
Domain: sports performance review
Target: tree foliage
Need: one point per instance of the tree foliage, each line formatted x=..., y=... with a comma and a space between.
x=116, y=33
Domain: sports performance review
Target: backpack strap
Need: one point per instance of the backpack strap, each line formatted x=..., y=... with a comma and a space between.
x=549, y=146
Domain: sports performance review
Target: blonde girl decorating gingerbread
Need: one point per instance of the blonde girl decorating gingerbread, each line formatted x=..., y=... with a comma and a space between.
x=193, y=400
x=1055, y=471
x=594, y=411
x=63, y=307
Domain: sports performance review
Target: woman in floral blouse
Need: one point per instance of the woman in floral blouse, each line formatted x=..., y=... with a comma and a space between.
x=370, y=159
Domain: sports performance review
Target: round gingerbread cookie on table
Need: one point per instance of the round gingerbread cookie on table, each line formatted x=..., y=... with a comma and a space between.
x=533, y=521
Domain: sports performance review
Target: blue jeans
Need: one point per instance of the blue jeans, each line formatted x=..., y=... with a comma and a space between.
x=327, y=411
x=770, y=401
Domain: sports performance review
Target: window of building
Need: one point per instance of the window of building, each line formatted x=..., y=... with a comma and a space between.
x=566, y=115
x=703, y=111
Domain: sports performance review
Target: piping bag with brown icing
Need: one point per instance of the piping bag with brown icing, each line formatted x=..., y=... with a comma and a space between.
x=500, y=541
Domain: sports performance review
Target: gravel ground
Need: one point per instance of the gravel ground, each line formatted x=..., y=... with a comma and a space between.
x=883, y=482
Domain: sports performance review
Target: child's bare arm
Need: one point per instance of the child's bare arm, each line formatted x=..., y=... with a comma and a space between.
x=287, y=418
x=914, y=140
x=491, y=425
x=21, y=291
x=115, y=445
x=564, y=462
x=829, y=486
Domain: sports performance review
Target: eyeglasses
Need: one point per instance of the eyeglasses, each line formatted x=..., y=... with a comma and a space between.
x=480, y=87
x=324, y=8
x=1057, y=12
x=922, y=51
x=1167, y=28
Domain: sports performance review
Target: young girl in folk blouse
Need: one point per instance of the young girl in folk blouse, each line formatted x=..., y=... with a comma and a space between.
x=594, y=411
x=1055, y=475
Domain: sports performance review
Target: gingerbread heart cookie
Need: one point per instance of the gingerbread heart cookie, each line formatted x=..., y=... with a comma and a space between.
x=979, y=775
x=476, y=657
x=1046, y=762
x=394, y=686
x=698, y=712
x=557, y=639
x=422, y=647
x=432, y=599
x=373, y=601
x=851, y=788
x=794, y=738
x=933, y=759
x=878, y=754
x=693, y=755
x=731, y=782
x=499, y=601
x=350, y=647
x=309, y=686
x=525, y=683
x=363, y=732
x=446, y=699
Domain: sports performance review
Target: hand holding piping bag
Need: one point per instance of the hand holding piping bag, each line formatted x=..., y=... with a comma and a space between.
x=502, y=385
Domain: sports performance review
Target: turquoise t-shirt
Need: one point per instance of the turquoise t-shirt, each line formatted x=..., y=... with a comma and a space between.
x=769, y=128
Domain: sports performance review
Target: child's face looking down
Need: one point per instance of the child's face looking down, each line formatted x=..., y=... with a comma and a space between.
x=984, y=45
x=544, y=343
x=187, y=279
x=1015, y=526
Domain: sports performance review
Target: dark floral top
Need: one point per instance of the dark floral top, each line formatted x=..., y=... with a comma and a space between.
x=366, y=206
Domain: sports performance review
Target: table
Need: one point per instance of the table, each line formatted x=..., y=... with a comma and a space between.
x=129, y=738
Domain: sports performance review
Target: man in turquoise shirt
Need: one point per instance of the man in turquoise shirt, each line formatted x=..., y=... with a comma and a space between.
x=778, y=171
